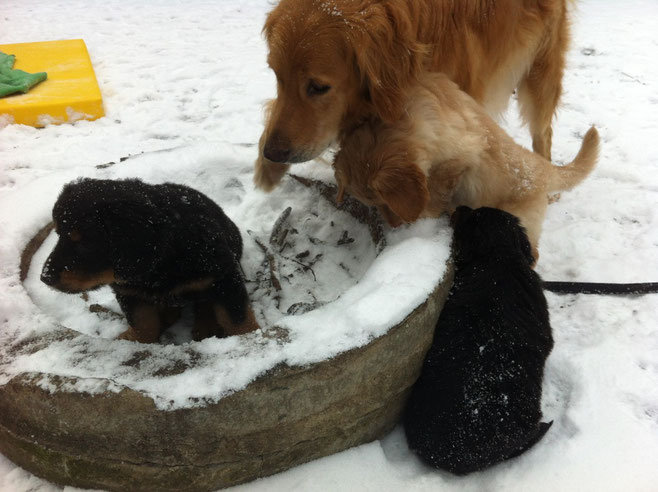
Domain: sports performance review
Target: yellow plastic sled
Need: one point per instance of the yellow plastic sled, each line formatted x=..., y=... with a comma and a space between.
x=69, y=94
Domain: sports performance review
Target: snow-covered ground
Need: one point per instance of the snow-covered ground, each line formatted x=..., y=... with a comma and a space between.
x=191, y=76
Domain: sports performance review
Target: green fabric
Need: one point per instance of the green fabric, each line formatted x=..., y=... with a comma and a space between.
x=12, y=81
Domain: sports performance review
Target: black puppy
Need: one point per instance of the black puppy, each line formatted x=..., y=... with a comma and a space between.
x=477, y=401
x=158, y=247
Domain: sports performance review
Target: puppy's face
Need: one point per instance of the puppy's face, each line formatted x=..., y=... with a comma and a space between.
x=381, y=172
x=108, y=231
x=487, y=233
x=80, y=260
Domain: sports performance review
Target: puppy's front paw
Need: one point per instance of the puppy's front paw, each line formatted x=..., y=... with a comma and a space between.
x=133, y=335
x=268, y=174
x=230, y=326
x=130, y=334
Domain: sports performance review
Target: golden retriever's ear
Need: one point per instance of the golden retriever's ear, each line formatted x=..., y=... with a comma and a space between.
x=271, y=19
x=387, y=55
x=392, y=219
x=403, y=188
x=340, y=196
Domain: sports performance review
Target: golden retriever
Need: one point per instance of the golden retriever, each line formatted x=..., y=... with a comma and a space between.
x=340, y=62
x=446, y=151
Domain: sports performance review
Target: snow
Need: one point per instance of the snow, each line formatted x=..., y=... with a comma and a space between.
x=349, y=282
x=184, y=85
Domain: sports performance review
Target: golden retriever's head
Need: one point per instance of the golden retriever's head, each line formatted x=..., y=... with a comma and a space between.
x=336, y=62
x=381, y=172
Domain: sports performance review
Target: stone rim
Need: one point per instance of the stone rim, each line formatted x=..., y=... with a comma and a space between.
x=286, y=417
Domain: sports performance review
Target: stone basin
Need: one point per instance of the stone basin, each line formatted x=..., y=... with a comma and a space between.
x=119, y=439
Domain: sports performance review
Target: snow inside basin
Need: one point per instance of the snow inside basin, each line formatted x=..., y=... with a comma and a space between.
x=345, y=326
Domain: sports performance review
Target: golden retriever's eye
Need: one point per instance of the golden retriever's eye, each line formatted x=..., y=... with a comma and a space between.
x=316, y=89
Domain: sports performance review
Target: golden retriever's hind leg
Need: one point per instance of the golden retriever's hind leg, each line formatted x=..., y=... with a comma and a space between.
x=540, y=90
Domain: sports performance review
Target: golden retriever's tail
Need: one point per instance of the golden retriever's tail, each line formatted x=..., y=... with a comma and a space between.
x=566, y=177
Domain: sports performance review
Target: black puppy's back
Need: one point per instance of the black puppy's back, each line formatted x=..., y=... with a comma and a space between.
x=200, y=213
x=477, y=401
x=159, y=247
x=200, y=237
x=163, y=234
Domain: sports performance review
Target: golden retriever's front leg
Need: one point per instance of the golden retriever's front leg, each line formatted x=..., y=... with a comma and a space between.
x=267, y=174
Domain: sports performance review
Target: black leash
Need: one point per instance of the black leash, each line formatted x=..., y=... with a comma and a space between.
x=601, y=288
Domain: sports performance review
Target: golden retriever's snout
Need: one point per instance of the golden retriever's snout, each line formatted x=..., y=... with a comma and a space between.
x=277, y=148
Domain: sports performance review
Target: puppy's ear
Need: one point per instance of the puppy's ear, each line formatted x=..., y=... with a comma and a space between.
x=403, y=188
x=340, y=181
x=524, y=245
x=387, y=55
x=392, y=219
x=340, y=196
x=460, y=214
x=489, y=233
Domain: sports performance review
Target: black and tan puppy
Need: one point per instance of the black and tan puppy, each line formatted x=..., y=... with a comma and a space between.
x=477, y=401
x=159, y=247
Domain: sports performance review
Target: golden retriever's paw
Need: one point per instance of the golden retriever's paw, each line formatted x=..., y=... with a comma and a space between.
x=268, y=174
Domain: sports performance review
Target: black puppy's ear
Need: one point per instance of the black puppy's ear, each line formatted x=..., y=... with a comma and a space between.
x=524, y=244
x=488, y=233
x=512, y=233
x=460, y=214
x=463, y=237
x=469, y=241
x=133, y=230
